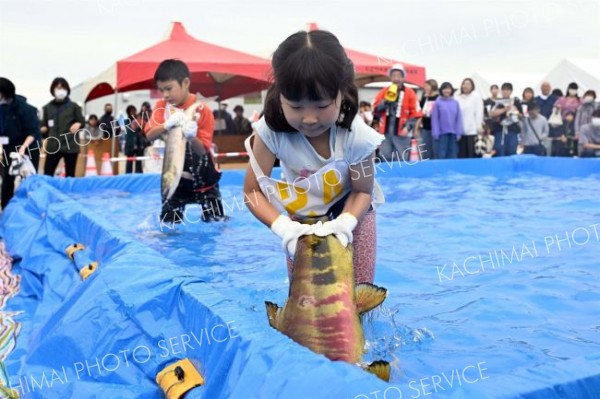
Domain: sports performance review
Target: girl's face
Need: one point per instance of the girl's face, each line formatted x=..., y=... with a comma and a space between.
x=311, y=118
x=447, y=92
x=527, y=95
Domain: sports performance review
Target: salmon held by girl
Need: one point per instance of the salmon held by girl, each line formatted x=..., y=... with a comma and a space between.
x=324, y=305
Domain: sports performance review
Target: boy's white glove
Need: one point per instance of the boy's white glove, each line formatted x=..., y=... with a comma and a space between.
x=190, y=129
x=341, y=227
x=289, y=231
x=176, y=119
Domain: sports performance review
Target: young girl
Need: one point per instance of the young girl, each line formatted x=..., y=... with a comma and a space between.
x=570, y=101
x=326, y=151
x=446, y=122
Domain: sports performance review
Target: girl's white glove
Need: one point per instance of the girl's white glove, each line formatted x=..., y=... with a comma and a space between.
x=341, y=227
x=289, y=231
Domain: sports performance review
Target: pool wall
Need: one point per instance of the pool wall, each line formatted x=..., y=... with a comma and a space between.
x=137, y=303
x=109, y=335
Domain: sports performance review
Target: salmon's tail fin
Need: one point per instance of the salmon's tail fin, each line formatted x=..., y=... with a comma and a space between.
x=380, y=368
x=273, y=312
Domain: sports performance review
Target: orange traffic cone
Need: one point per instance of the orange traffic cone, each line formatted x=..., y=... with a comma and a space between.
x=90, y=165
x=414, y=153
x=106, y=168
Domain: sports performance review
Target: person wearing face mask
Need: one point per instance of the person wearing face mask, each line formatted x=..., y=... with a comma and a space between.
x=61, y=122
x=110, y=135
x=585, y=110
x=570, y=102
x=365, y=112
x=589, y=138
x=19, y=132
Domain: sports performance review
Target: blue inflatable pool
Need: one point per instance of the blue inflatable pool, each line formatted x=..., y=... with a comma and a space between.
x=492, y=269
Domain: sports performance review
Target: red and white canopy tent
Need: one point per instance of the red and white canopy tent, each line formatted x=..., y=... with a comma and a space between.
x=215, y=70
x=371, y=68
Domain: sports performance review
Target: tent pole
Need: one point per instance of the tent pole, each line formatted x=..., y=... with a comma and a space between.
x=113, y=140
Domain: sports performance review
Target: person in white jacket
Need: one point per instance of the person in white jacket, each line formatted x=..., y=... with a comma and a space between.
x=471, y=108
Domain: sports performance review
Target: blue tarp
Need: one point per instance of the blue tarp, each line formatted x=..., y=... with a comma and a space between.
x=109, y=335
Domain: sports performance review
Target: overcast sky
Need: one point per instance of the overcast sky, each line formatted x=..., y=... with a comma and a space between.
x=42, y=39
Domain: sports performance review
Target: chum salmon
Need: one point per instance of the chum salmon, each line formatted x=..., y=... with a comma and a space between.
x=324, y=306
x=174, y=159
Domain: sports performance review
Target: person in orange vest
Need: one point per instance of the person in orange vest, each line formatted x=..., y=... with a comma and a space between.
x=397, y=115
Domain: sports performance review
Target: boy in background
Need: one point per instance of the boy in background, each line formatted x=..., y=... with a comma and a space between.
x=200, y=178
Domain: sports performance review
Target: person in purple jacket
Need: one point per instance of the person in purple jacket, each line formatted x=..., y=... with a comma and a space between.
x=446, y=122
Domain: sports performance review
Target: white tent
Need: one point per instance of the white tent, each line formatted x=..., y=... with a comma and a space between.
x=584, y=72
x=483, y=81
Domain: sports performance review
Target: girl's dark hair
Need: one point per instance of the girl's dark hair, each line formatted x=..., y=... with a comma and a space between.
x=472, y=85
x=433, y=84
x=446, y=85
x=171, y=69
x=62, y=82
x=314, y=66
x=572, y=85
x=92, y=116
x=7, y=88
x=130, y=110
x=557, y=92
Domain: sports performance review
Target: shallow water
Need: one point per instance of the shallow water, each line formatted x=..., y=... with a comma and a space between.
x=520, y=287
